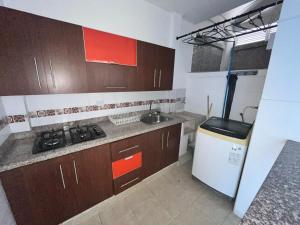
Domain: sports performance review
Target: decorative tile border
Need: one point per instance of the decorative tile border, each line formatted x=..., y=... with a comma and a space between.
x=89, y=108
x=16, y=118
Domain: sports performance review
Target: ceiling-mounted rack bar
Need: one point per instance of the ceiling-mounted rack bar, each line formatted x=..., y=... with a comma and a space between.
x=259, y=10
x=241, y=34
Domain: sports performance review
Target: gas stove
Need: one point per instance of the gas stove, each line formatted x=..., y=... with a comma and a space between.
x=86, y=133
x=50, y=140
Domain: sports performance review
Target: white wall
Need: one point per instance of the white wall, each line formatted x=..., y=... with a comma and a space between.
x=183, y=53
x=248, y=92
x=278, y=116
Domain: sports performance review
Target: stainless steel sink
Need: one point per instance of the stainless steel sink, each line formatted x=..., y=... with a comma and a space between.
x=154, y=118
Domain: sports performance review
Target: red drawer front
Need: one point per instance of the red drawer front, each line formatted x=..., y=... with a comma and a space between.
x=109, y=48
x=124, y=166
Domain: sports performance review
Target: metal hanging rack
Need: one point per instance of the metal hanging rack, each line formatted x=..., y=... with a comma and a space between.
x=229, y=29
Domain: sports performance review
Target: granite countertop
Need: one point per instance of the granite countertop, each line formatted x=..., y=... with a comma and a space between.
x=278, y=201
x=17, y=152
x=190, y=116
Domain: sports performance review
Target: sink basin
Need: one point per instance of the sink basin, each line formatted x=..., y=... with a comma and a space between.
x=154, y=118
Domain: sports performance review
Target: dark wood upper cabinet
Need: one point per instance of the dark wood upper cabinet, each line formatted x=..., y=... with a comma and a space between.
x=166, y=65
x=41, y=55
x=146, y=65
x=103, y=77
x=21, y=61
x=155, y=66
x=63, y=56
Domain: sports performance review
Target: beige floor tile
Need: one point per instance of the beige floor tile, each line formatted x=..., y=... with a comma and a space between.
x=192, y=216
x=113, y=213
x=176, y=199
x=214, y=206
x=151, y=212
x=159, y=185
x=232, y=219
x=90, y=220
x=170, y=197
x=187, y=166
x=121, y=219
x=140, y=195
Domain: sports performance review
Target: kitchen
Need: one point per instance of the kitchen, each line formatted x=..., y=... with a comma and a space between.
x=100, y=109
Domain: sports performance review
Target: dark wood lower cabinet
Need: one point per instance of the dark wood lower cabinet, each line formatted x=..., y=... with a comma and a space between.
x=52, y=191
x=161, y=148
x=92, y=176
x=128, y=180
x=45, y=197
x=171, y=144
x=152, y=153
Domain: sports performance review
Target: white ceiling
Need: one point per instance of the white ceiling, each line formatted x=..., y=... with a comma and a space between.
x=196, y=11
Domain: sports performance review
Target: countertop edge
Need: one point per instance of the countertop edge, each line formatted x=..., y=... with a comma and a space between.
x=89, y=144
x=279, y=196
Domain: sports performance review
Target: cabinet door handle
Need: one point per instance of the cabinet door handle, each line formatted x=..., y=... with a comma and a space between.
x=129, y=182
x=52, y=75
x=62, y=177
x=154, y=78
x=159, y=81
x=128, y=149
x=37, y=72
x=115, y=87
x=75, y=171
x=168, y=139
x=162, y=141
x=129, y=157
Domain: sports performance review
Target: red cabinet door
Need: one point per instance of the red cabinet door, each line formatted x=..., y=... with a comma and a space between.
x=126, y=165
x=109, y=48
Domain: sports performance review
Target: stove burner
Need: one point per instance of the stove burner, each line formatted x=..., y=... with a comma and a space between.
x=82, y=135
x=49, y=140
x=52, y=142
x=54, y=139
x=86, y=133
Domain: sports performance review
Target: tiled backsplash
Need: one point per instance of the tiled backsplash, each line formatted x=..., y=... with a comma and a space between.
x=23, y=112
